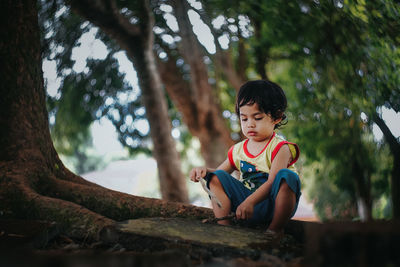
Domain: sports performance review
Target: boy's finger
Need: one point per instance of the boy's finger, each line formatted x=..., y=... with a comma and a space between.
x=238, y=215
x=199, y=174
x=193, y=176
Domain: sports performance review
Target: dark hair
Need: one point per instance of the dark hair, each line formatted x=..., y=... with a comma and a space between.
x=269, y=97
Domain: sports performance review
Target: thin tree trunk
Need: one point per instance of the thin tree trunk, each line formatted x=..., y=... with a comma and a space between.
x=361, y=174
x=242, y=60
x=172, y=181
x=260, y=51
x=223, y=58
x=137, y=40
x=210, y=127
x=363, y=191
x=394, y=146
x=226, y=65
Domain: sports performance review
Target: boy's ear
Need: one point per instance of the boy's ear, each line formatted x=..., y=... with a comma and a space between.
x=277, y=121
x=282, y=115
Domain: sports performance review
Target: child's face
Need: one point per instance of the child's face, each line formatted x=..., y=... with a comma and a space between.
x=256, y=125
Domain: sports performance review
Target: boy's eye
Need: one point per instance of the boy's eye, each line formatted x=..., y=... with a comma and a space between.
x=244, y=119
x=258, y=119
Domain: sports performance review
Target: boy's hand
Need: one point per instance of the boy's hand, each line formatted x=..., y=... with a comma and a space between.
x=245, y=210
x=197, y=173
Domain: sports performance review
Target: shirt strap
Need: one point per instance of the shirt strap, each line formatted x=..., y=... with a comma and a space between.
x=294, y=150
x=230, y=157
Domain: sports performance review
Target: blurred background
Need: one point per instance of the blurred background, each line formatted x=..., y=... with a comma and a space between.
x=336, y=60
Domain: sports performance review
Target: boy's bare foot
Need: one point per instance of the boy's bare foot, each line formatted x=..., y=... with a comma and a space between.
x=274, y=237
x=225, y=220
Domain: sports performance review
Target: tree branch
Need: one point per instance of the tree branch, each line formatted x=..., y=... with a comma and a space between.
x=106, y=15
x=223, y=58
x=391, y=139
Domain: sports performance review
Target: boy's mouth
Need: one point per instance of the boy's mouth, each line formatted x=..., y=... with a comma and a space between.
x=251, y=133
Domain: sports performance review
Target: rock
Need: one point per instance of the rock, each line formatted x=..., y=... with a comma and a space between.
x=201, y=241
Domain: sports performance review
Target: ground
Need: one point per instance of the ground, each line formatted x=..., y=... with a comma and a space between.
x=190, y=242
x=149, y=241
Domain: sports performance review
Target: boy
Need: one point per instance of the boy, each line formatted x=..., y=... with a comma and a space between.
x=268, y=190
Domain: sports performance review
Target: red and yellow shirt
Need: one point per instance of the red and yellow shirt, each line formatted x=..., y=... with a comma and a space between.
x=254, y=169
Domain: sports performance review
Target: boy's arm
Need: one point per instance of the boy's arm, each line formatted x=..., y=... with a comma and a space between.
x=226, y=166
x=202, y=171
x=281, y=161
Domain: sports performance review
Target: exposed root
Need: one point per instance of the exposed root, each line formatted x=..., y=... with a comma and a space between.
x=32, y=191
x=121, y=206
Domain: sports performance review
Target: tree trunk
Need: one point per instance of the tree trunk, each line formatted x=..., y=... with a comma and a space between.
x=361, y=174
x=209, y=126
x=34, y=184
x=363, y=191
x=394, y=146
x=242, y=61
x=260, y=50
x=172, y=181
x=224, y=62
x=178, y=89
x=137, y=40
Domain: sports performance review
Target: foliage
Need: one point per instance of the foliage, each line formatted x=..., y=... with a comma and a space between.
x=99, y=91
x=334, y=93
x=337, y=61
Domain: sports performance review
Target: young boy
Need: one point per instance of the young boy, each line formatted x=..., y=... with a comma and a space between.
x=268, y=190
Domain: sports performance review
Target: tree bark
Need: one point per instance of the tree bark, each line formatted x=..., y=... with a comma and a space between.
x=363, y=190
x=209, y=126
x=34, y=184
x=223, y=58
x=225, y=63
x=137, y=40
x=242, y=61
x=394, y=146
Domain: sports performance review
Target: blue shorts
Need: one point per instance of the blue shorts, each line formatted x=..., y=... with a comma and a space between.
x=263, y=211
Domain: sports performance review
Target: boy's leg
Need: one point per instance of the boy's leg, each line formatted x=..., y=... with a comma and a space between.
x=285, y=203
x=231, y=193
x=285, y=194
x=217, y=188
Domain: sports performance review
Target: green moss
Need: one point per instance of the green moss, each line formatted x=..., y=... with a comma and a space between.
x=193, y=232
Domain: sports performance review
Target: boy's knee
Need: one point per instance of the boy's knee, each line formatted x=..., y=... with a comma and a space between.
x=285, y=173
x=287, y=180
x=220, y=173
x=288, y=176
x=283, y=185
x=213, y=180
x=285, y=188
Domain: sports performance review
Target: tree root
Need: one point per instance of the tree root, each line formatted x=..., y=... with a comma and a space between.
x=82, y=208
